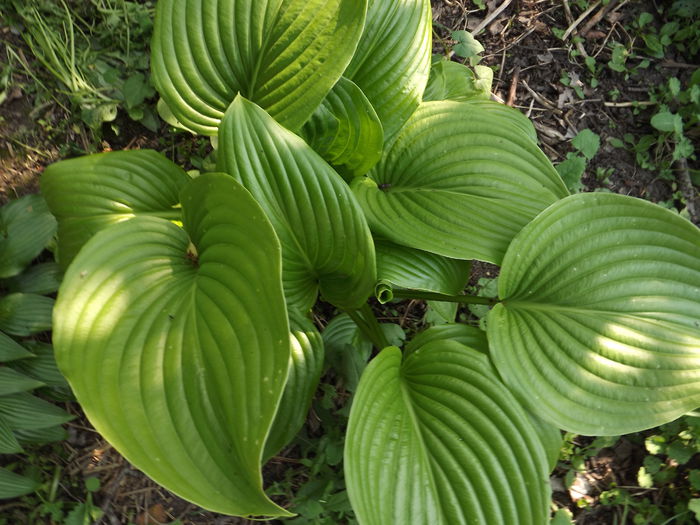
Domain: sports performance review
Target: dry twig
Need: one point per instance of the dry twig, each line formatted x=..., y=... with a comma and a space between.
x=597, y=17
x=486, y=21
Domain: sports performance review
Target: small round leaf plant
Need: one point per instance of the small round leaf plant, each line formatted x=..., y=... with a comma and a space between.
x=346, y=169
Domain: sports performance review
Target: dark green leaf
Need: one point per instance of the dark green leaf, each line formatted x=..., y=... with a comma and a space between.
x=26, y=227
x=24, y=411
x=13, y=485
x=23, y=314
x=42, y=279
x=12, y=382
x=11, y=350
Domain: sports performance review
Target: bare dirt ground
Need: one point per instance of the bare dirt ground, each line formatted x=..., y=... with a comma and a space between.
x=530, y=61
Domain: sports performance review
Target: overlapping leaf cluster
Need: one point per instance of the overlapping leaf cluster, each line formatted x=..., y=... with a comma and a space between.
x=27, y=364
x=183, y=326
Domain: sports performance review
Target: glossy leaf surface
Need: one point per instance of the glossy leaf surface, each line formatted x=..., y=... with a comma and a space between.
x=305, y=367
x=345, y=130
x=439, y=440
x=402, y=267
x=392, y=61
x=285, y=55
x=326, y=243
x=87, y=194
x=461, y=179
x=26, y=227
x=176, y=343
x=599, y=329
x=470, y=336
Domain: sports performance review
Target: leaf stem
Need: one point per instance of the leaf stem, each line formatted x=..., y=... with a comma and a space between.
x=368, y=324
x=406, y=293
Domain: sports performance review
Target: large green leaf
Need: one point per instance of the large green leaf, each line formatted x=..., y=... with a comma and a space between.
x=285, y=55
x=326, y=243
x=402, y=267
x=23, y=314
x=305, y=367
x=176, y=343
x=392, y=61
x=461, y=179
x=43, y=367
x=439, y=440
x=87, y=194
x=26, y=227
x=599, y=331
x=345, y=130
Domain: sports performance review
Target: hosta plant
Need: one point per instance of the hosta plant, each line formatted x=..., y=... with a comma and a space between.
x=347, y=169
x=27, y=365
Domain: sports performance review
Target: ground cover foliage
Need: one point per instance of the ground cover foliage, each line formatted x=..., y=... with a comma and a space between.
x=659, y=476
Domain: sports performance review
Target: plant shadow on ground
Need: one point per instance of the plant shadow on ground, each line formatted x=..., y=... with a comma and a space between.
x=612, y=93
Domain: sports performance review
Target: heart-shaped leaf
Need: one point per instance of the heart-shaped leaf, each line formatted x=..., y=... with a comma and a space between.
x=26, y=227
x=176, y=343
x=87, y=194
x=402, y=267
x=285, y=55
x=325, y=240
x=305, y=367
x=392, y=61
x=461, y=179
x=599, y=328
x=439, y=440
x=345, y=130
